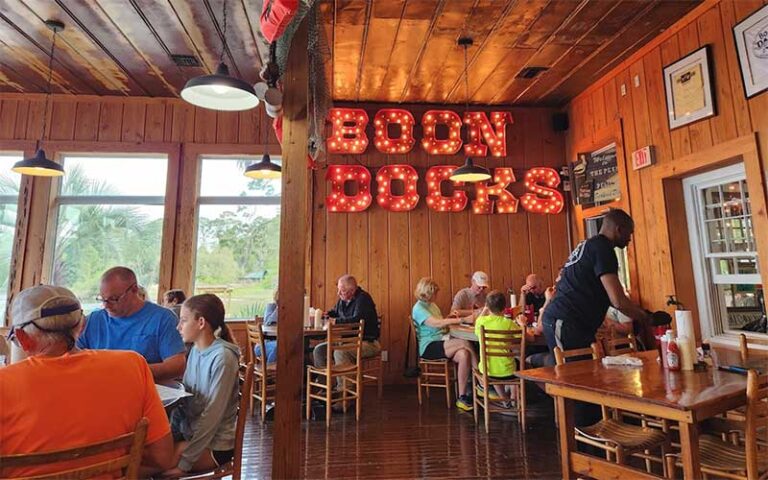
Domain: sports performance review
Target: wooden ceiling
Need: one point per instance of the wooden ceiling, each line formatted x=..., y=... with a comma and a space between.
x=389, y=51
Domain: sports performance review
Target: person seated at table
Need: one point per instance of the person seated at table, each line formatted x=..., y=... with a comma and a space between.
x=270, y=319
x=61, y=397
x=354, y=304
x=204, y=424
x=492, y=318
x=129, y=323
x=430, y=328
x=543, y=358
x=471, y=298
x=173, y=299
x=532, y=293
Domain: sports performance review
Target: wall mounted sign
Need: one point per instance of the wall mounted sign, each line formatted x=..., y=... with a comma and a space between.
x=688, y=85
x=643, y=158
x=751, y=36
x=486, y=134
x=596, y=177
x=350, y=190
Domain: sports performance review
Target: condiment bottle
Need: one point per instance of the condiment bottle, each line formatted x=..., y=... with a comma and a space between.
x=664, y=341
x=318, y=319
x=673, y=355
x=687, y=347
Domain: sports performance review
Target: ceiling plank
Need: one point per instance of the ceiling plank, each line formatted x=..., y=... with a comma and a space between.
x=385, y=19
x=349, y=30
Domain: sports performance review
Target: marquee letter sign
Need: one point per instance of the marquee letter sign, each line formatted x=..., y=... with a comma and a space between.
x=338, y=200
x=348, y=134
x=402, y=118
x=544, y=199
x=435, y=198
x=494, y=136
x=506, y=203
x=400, y=203
x=430, y=143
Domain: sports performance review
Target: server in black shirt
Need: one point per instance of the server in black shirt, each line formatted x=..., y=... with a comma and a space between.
x=354, y=304
x=589, y=284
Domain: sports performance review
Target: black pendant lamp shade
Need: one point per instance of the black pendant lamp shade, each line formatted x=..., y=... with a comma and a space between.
x=264, y=169
x=220, y=91
x=38, y=166
x=469, y=172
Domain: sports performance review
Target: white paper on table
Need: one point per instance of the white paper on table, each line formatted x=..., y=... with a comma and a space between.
x=622, y=360
x=168, y=394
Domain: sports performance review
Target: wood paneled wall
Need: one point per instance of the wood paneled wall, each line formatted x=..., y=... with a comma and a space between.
x=642, y=112
x=389, y=252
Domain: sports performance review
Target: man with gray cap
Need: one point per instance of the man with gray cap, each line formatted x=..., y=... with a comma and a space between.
x=60, y=397
x=471, y=298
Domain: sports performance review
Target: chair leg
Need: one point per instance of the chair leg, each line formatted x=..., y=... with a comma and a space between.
x=255, y=384
x=263, y=398
x=669, y=462
x=447, y=385
x=380, y=379
x=486, y=413
x=358, y=396
x=309, y=400
x=328, y=398
x=418, y=385
x=475, y=402
x=521, y=406
x=344, y=389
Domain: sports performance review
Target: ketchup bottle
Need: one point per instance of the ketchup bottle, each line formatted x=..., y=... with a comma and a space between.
x=529, y=316
x=673, y=355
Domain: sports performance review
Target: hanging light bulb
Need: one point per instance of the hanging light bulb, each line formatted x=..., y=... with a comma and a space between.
x=220, y=91
x=40, y=165
x=264, y=169
x=469, y=172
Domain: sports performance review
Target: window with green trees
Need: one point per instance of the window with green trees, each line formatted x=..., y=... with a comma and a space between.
x=108, y=211
x=9, y=197
x=238, y=236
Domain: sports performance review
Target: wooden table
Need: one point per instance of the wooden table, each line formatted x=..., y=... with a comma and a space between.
x=683, y=397
x=466, y=332
x=271, y=332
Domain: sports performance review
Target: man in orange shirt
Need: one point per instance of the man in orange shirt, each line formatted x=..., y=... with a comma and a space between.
x=60, y=397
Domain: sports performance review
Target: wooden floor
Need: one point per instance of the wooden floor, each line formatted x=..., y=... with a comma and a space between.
x=395, y=439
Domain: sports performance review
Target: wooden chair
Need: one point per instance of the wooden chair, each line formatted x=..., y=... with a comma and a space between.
x=130, y=446
x=264, y=374
x=373, y=370
x=499, y=344
x=235, y=466
x=618, y=439
x=341, y=337
x=743, y=348
x=619, y=345
x=746, y=460
x=433, y=373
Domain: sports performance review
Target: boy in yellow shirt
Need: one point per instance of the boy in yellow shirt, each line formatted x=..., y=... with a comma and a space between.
x=492, y=318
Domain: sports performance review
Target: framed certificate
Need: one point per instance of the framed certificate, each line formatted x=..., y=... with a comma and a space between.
x=751, y=36
x=688, y=85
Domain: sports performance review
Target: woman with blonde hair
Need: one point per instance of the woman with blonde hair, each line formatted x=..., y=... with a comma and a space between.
x=430, y=328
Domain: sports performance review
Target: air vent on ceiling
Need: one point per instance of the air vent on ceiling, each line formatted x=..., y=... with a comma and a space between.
x=531, y=72
x=185, y=60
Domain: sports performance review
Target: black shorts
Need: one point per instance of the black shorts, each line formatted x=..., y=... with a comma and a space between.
x=434, y=351
x=222, y=456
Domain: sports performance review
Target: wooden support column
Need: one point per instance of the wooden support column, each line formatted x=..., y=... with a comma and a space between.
x=294, y=237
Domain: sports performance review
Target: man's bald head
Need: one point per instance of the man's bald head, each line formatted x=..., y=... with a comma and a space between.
x=124, y=274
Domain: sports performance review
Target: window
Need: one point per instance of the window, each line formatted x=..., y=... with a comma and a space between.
x=238, y=236
x=108, y=211
x=9, y=197
x=723, y=243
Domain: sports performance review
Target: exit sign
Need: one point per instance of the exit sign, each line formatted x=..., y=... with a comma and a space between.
x=642, y=158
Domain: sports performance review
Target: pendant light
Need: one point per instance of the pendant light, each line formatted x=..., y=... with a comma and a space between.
x=264, y=169
x=40, y=165
x=220, y=91
x=469, y=172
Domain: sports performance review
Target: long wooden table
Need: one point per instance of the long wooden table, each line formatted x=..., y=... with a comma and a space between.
x=683, y=397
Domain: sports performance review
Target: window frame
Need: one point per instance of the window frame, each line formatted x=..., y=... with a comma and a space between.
x=10, y=200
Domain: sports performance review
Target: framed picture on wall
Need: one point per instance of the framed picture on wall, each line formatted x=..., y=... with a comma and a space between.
x=688, y=86
x=751, y=36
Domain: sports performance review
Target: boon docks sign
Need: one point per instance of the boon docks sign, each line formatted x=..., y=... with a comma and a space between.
x=486, y=136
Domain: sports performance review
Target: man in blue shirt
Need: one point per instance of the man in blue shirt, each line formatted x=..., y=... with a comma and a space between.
x=129, y=323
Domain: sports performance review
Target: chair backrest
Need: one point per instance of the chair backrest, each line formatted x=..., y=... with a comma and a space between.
x=620, y=345
x=743, y=348
x=757, y=419
x=130, y=445
x=256, y=337
x=501, y=344
x=344, y=337
x=592, y=351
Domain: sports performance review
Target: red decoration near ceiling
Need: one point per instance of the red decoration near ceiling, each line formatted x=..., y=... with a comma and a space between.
x=403, y=118
x=338, y=200
x=275, y=17
x=492, y=131
x=430, y=143
x=544, y=199
x=505, y=203
x=397, y=203
x=348, y=134
x=435, y=198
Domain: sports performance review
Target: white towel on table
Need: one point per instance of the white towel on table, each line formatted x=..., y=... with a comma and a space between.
x=622, y=360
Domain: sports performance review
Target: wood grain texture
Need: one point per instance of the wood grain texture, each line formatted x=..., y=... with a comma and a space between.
x=658, y=245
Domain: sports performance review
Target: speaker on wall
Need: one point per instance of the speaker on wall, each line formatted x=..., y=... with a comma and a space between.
x=560, y=122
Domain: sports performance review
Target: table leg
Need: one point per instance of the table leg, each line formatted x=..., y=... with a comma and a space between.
x=565, y=423
x=689, y=446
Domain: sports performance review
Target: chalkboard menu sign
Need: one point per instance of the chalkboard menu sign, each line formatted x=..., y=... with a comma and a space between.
x=596, y=177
